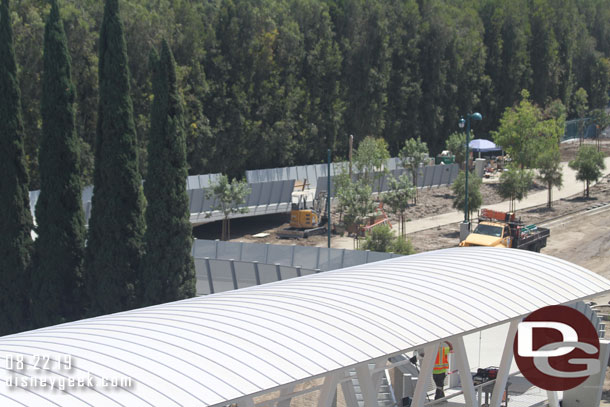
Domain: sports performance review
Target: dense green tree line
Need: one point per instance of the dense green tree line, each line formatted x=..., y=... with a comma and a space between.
x=117, y=206
x=57, y=266
x=16, y=220
x=126, y=263
x=269, y=83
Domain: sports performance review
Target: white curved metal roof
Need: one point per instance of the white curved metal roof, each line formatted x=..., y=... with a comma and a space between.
x=210, y=350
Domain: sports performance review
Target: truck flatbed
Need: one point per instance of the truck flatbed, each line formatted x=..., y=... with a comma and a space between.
x=533, y=241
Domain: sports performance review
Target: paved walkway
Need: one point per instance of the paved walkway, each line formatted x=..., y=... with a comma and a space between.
x=570, y=187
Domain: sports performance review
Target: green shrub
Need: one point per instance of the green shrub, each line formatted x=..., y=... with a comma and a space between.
x=382, y=239
x=379, y=239
x=402, y=245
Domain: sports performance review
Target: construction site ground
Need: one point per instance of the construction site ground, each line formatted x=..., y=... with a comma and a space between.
x=430, y=202
x=432, y=223
x=580, y=227
x=445, y=236
x=583, y=238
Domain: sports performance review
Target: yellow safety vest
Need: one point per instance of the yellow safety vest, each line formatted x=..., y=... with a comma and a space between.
x=441, y=365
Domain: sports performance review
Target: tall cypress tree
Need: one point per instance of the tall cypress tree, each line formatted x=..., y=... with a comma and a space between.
x=168, y=271
x=116, y=227
x=59, y=249
x=15, y=216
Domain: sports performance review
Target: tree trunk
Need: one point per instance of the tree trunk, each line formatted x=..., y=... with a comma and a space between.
x=587, y=188
x=228, y=229
x=550, y=202
x=414, y=176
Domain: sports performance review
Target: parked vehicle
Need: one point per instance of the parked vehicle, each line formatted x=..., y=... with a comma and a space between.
x=502, y=229
x=304, y=221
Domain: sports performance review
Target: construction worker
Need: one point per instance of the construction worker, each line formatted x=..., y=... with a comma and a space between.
x=441, y=366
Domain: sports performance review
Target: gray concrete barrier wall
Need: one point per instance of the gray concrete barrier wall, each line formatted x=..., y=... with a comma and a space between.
x=223, y=266
x=302, y=256
x=427, y=177
x=311, y=173
x=201, y=181
x=218, y=275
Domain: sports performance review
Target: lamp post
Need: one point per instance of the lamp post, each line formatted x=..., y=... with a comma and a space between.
x=461, y=123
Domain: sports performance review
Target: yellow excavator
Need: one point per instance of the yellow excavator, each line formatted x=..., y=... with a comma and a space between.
x=304, y=221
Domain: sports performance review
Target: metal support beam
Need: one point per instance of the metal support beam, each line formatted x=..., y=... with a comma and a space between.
x=370, y=380
x=349, y=394
x=378, y=373
x=504, y=368
x=454, y=380
x=233, y=274
x=553, y=398
x=329, y=389
x=208, y=271
x=285, y=391
x=461, y=360
x=425, y=375
x=397, y=384
x=367, y=386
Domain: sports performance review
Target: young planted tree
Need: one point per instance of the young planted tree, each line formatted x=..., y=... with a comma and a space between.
x=397, y=198
x=602, y=120
x=15, y=219
x=515, y=185
x=456, y=143
x=580, y=106
x=525, y=132
x=228, y=196
x=369, y=159
x=358, y=204
x=549, y=171
x=341, y=184
x=116, y=226
x=475, y=200
x=168, y=271
x=355, y=199
x=59, y=248
x=589, y=164
x=413, y=154
x=600, y=117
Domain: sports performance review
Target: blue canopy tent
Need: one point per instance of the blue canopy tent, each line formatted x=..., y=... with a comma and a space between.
x=483, y=146
x=479, y=146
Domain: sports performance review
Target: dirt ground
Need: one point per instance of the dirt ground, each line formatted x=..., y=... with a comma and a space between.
x=569, y=149
x=448, y=235
x=430, y=201
x=585, y=240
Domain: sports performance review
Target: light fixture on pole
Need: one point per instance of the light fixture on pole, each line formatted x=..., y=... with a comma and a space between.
x=461, y=123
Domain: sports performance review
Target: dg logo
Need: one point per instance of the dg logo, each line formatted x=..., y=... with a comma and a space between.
x=557, y=348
